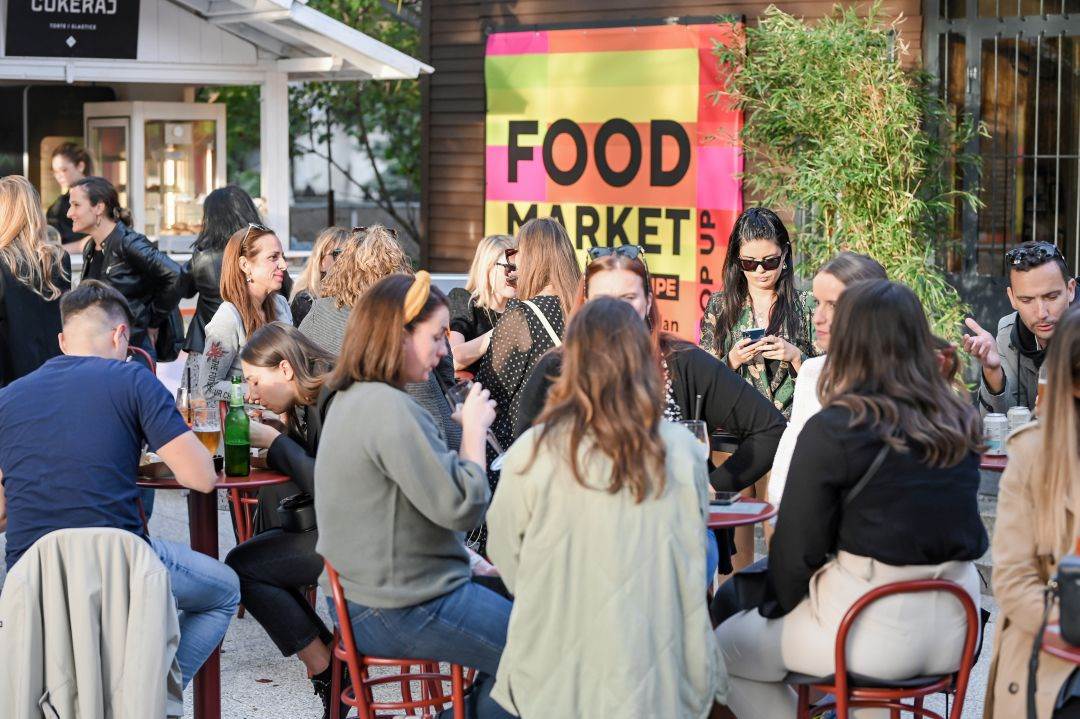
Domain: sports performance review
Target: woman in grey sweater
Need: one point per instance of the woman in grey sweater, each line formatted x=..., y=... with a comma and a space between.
x=393, y=502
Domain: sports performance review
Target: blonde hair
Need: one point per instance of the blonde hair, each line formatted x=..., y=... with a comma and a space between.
x=24, y=248
x=546, y=257
x=488, y=252
x=1059, y=422
x=311, y=278
x=370, y=254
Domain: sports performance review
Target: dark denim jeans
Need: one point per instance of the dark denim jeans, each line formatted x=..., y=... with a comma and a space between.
x=273, y=568
x=466, y=626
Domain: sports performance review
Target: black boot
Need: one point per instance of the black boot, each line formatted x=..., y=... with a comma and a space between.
x=323, y=685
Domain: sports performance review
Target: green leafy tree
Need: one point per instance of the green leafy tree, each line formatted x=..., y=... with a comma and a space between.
x=382, y=117
x=839, y=130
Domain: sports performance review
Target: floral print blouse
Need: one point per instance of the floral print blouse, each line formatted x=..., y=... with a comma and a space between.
x=772, y=378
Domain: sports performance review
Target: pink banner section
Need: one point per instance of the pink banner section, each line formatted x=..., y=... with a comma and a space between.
x=531, y=182
x=517, y=43
x=718, y=184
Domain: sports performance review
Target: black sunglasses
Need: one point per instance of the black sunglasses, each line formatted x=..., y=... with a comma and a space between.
x=1035, y=255
x=336, y=252
x=769, y=263
x=364, y=228
x=632, y=252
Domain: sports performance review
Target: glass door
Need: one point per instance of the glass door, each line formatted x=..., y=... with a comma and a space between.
x=108, y=142
x=1013, y=65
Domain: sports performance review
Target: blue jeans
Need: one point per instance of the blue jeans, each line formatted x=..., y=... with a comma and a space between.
x=712, y=557
x=207, y=593
x=466, y=626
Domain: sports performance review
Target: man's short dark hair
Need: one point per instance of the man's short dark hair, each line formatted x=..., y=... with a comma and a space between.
x=1032, y=254
x=94, y=294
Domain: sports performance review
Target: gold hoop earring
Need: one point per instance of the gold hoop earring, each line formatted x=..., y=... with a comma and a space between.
x=97, y=222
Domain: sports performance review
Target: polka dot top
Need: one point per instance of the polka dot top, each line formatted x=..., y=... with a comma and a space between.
x=518, y=342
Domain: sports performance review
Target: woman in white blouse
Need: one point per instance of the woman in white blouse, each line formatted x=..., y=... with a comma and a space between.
x=832, y=279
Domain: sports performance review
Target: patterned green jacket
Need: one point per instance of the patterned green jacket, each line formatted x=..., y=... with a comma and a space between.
x=774, y=379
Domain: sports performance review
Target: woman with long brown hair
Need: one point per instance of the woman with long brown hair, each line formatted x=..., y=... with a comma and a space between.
x=393, y=499
x=882, y=488
x=253, y=269
x=1035, y=528
x=547, y=278
x=605, y=491
x=285, y=372
x=33, y=275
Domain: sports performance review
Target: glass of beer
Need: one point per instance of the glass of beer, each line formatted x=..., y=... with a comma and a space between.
x=206, y=423
x=1042, y=387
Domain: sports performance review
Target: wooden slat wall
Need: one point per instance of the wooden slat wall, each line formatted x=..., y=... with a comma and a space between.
x=452, y=166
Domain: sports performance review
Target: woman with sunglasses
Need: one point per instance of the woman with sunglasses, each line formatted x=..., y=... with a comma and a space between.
x=324, y=253
x=225, y=210
x=252, y=271
x=759, y=293
x=696, y=384
x=475, y=309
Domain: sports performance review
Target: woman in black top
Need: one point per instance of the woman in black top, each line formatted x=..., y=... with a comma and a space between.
x=284, y=371
x=119, y=256
x=698, y=386
x=532, y=324
x=33, y=275
x=475, y=309
x=726, y=401
x=70, y=163
x=883, y=488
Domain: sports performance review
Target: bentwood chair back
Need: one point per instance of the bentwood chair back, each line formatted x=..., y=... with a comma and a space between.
x=420, y=682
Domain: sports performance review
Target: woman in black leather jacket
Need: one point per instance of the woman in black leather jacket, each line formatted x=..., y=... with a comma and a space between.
x=225, y=211
x=284, y=371
x=119, y=256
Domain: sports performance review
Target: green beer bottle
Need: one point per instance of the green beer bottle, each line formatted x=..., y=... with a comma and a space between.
x=237, y=435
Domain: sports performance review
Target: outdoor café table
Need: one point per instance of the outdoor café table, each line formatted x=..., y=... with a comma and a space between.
x=1054, y=644
x=993, y=462
x=733, y=515
x=203, y=524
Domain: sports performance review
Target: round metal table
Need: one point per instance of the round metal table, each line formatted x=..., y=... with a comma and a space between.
x=721, y=519
x=203, y=528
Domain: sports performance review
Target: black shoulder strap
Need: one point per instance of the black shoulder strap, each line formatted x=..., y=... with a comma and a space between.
x=870, y=472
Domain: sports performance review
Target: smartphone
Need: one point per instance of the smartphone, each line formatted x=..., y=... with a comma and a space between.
x=723, y=499
x=754, y=334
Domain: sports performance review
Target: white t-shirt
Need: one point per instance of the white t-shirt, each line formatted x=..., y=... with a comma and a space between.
x=805, y=404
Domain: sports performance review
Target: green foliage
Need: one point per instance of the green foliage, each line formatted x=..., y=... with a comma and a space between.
x=838, y=129
x=383, y=117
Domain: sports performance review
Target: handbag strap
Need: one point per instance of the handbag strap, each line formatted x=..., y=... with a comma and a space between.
x=869, y=474
x=544, y=321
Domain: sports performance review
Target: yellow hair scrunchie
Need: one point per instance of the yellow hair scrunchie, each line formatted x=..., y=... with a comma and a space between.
x=417, y=296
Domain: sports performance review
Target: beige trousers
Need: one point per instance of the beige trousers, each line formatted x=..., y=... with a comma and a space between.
x=895, y=638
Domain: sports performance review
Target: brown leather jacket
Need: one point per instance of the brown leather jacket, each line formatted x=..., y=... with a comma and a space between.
x=1021, y=571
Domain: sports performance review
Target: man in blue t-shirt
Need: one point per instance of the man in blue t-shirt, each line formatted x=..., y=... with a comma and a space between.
x=73, y=433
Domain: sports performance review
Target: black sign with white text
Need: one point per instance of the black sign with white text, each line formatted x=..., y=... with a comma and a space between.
x=73, y=28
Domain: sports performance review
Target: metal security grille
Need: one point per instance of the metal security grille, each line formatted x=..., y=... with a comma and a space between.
x=1015, y=66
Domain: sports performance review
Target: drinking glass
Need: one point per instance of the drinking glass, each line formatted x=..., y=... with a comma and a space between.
x=1043, y=385
x=700, y=431
x=183, y=404
x=206, y=423
x=456, y=397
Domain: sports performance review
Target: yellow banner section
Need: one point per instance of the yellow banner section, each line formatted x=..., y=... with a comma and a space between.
x=669, y=234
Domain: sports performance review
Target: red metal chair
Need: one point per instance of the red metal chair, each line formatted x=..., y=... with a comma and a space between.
x=414, y=677
x=143, y=356
x=853, y=691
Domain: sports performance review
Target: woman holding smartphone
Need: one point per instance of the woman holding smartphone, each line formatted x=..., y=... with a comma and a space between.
x=759, y=323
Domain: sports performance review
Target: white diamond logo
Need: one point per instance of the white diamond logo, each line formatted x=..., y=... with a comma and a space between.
x=70, y=42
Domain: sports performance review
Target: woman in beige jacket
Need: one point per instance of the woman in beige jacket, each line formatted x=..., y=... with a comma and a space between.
x=598, y=528
x=1035, y=528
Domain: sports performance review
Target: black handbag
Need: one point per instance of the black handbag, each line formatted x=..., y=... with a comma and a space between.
x=170, y=339
x=297, y=513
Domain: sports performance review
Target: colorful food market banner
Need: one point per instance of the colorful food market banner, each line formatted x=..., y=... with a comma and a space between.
x=616, y=132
